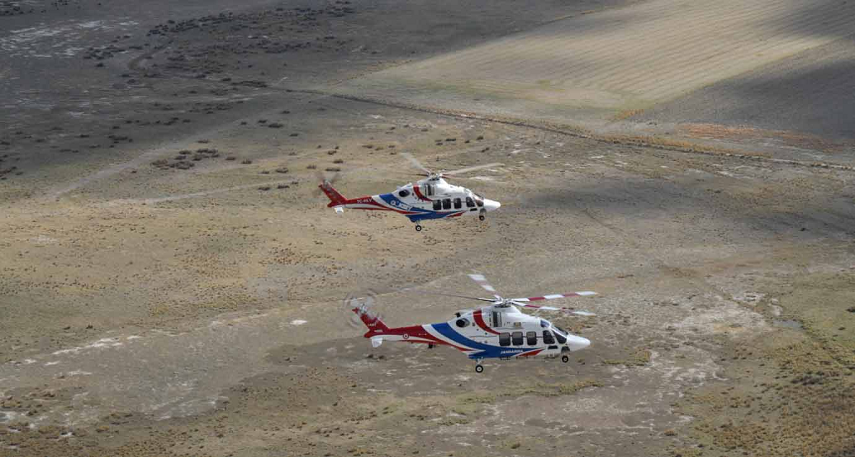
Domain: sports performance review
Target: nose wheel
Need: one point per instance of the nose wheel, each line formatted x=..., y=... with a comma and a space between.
x=481, y=216
x=565, y=359
x=418, y=228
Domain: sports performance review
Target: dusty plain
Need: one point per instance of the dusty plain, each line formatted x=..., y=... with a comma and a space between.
x=171, y=283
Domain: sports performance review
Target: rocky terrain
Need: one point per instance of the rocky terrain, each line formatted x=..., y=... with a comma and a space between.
x=171, y=281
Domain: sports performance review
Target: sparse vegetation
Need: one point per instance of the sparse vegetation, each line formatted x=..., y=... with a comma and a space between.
x=638, y=357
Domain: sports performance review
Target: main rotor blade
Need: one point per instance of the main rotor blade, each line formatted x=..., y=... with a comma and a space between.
x=482, y=281
x=552, y=308
x=468, y=169
x=415, y=162
x=586, y=293
x=491, y=300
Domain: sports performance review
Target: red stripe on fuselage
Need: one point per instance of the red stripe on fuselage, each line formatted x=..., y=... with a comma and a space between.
x=419, y=194
x=415, y=331
x=479, y=319
x=378, y=206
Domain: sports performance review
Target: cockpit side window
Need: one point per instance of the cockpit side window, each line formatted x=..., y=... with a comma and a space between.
x=469, y=202
x=547, y=337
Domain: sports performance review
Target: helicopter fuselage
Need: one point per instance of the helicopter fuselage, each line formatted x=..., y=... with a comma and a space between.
x=431, y=198
x=490, y=332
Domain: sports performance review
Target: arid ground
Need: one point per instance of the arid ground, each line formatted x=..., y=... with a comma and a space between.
x=172, y=283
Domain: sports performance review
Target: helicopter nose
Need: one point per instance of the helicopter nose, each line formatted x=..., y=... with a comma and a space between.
x=576, y=343
x=491, y=205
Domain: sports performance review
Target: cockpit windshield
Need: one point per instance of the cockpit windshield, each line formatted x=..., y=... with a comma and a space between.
x=560, y=333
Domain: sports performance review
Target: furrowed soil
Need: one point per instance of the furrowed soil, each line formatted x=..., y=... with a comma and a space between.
x=172, y=283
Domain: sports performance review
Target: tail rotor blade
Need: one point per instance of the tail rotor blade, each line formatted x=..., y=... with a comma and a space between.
x=323, y=179
x=362, y=304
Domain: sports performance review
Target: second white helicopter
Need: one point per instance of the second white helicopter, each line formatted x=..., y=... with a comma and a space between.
x=430, y=198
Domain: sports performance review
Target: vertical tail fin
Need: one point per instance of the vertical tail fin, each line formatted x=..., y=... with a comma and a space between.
x=371, y=320
x=336, y=199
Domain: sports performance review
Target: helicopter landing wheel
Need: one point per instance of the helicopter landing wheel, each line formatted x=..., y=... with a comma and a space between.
x=481, y=217
x=418, y=228
x=565, y=359
x=479, y=368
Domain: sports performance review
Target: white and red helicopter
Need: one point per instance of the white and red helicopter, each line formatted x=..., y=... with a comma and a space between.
x=429, y=198
x=499, y=330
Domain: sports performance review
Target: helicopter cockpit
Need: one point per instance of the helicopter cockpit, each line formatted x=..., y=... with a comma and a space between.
x=560, y=333
x=479, y=200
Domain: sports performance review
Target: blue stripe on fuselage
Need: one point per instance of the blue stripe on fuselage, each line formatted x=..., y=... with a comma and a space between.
x=394, y=202
x=485, y=351
x=428, y=215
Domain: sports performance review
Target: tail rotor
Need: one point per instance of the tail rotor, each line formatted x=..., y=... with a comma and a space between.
x=325, y=180
x=359, y=305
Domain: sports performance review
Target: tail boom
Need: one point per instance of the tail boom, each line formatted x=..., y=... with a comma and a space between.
x=379, y=332
x=336, y=198
x=339, y=201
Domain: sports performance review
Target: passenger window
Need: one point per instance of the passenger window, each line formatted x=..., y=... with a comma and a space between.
x=531, y=338
x=547, y=337
x=446, y=204
x=518, y=338
x=504, y=339
x=457, y=203
x=469, y=202
x=437, y=205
